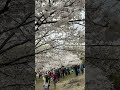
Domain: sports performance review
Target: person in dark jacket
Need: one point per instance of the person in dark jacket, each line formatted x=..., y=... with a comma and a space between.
x=63, y=71
x=82, y=68
x=76, y=70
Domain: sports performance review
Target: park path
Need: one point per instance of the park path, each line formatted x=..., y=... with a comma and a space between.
x=69, y=83
x=76, y=83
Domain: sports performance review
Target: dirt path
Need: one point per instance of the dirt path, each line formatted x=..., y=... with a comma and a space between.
x=76, y=83
x=69, y=83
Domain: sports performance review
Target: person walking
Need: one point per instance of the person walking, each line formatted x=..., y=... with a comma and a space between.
x=44, y=79
x=63, y=71
x=82, y=68
x=54, y=79
x=58, y=74
x=49, y=76
x=68, y=71
x=46, y=84
x=40, y=74
x=76, y=70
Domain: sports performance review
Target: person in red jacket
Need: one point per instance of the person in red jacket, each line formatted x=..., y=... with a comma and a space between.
x=54, y=79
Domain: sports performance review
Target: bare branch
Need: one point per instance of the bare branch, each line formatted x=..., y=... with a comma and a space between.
x=6, y=40
x=5, y=8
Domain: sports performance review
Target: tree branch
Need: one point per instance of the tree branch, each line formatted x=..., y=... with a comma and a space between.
x=5, y=8
x=6, y=40
x=13, y=46
x=71, y=21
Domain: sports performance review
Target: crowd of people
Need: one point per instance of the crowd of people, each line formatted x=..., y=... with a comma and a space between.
x=54, y=75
